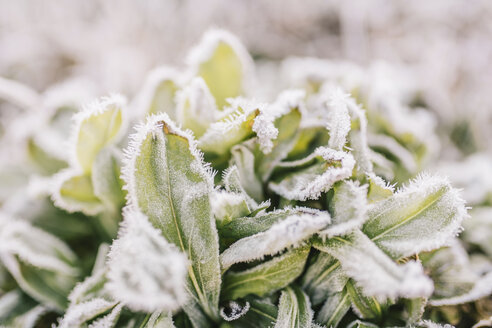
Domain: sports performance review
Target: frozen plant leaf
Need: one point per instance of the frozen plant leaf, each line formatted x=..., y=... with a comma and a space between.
x=329, y=167
x=243, y=158
x=402, y=155
x=251, y=225
x=18, y=310
x=227, y=206
x=106, y=181
x=196, y=108
x=109, y=320
x=267, y=277
x=338, y=118
x=75, y=192
x=291, y=231
x=261, y=313
x=80, y=314
x=361, y=324
x=373, y=270
x=231, y=177
x=167, y=181
x=366, y=307
x=294, y=310
x=223, y=62
x=334, y=309
x=415, y=309
x=395, y=224
x=159, y=92
x=96, y=126
x=146, y=273
x=378, y=189
x=244, y=120
x=287, y=112
x=160, y=320
x=324, y=278
x=43, y=266
x=348, y=207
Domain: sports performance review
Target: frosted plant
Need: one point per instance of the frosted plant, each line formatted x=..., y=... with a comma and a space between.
x=196, y=205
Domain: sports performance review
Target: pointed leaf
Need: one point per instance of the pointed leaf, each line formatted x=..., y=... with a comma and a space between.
x=106, y=181
x=79, y=315
x=168, y=182
x=291, y=231
x=373, y=270
x=96, y=126
x=365, y=307
x=395, y=224
x=334, y=309
x=361, y=324
x=196, y=108
x=222, y=61
x=243, y=159
x=294, y=309
x=267, y=277
x=330, y=166
x=43, y=266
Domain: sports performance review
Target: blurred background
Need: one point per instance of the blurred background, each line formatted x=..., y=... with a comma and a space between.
x=442, y=48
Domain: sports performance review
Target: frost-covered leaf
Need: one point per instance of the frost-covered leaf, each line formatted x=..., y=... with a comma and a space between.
x=361, y=324
x=227, y=206
x=96, y=126
x=223, y=62
x=291, y=231
x=43, y=266
x=262, y=313
x=92, y=287
x=158, y=92
x=80, y=314
x=160, y=320
x=267, y=277
x=348, y=207
x=18, y=310
x=106, y=181
x=244, y=120
x=334, y=309
x=231, y=178
x=287, y=113
x=168, y=182
x=430, y=324
x=449, y=268
x=251, y=225
x=109, y=320
x=338, y=118
x=374, y=271
x=395, y=224
x=366, y=307
x=323, y=278
x=196, y=108
x=329, y=166
x=243, y=160
x=146, y=273
x=294, y=310
x=75, y=192
x=378, y=189
x=414, y=310
x=387, y=144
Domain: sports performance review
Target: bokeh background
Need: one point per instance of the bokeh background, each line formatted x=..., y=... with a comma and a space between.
x=441, y=48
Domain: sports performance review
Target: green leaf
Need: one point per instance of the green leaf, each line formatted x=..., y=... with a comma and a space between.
x=361, y=324
x=365, y=307
x=159, y=92
x=160, y=320
x=196, y=108
x=235, y=127
x=267, y=277
x=222, y=61
x=106, y=181
x=82, y=313
x=43, y=266
x=291, y=231
x=75, y=193
x=373, y=270
x=334, y=309
x=243, y=158
x=168, y=182
x=378, y=189
x=329, y=167
x=395, y=224
x=18, y=310
x=294, y=310
x=288, y=105
x=262, y=313
x=324, y=277
x=348, y=207
x=97, y=126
